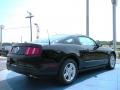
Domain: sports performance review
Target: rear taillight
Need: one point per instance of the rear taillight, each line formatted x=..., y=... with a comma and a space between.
x=31, y=51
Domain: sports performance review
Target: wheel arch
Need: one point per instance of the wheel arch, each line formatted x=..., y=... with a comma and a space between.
x=113, y=53
x=71, y=56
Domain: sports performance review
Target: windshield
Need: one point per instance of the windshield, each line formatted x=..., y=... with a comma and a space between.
x=53, y=39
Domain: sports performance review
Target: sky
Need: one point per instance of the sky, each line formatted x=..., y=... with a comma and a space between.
x=58, y=17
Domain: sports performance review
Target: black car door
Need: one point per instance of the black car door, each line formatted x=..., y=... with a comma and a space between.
x=90, y=55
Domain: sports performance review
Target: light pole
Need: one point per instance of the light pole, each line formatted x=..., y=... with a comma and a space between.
x=1, y=28
x=87, y=17
x=30, y=17
x=114, y=3
x=37, y=27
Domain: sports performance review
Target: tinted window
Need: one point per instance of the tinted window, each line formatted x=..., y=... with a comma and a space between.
x=53, y=39
x=68, y=41
x=86, y=41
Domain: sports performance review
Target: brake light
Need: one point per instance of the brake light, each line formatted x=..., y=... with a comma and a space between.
x=30, y=51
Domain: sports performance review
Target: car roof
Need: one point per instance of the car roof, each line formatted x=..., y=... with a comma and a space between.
x=46, y=40
x=71, y=35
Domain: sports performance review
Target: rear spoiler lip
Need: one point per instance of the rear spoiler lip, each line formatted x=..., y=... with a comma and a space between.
x=26, y=45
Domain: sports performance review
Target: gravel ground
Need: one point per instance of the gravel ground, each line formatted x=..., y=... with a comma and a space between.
x=3, y=62
x=2, y=65
x=118, y=61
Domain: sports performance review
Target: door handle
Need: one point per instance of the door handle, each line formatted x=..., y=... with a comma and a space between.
x=90, y=50
x=84, y=51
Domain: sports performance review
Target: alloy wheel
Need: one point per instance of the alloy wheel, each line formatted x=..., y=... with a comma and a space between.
x=69, y=72
x=112, y=61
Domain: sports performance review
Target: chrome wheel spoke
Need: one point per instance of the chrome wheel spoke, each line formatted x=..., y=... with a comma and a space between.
x=66, y=74
x=69, y=76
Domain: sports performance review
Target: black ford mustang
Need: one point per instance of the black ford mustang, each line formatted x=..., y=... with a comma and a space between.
x=60, y=55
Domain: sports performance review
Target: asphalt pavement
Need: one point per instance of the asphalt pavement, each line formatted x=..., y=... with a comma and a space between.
x=100, y=79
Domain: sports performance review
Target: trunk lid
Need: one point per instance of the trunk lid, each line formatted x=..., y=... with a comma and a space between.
x=27, y=49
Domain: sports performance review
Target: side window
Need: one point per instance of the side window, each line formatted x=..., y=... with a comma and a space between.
x=68, y=41
x=86, y=41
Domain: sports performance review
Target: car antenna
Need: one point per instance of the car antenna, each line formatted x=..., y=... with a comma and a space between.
x=48, y=37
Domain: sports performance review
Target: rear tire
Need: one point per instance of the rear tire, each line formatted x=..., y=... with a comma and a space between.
x=112, y=61
x=68, y=71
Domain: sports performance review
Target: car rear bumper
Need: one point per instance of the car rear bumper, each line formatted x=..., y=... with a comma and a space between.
x=45, y=70
x=32, y=66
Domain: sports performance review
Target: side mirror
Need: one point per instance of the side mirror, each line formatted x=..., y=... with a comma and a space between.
x=98, y=44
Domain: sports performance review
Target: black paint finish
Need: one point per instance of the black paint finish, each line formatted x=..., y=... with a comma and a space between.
x=53, y=55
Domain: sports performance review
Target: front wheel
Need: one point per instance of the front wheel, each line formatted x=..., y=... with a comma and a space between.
x=68, y=70
x=112, y=61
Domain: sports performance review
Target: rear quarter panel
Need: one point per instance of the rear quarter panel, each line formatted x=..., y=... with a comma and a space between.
x=60, y=51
